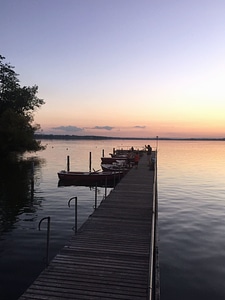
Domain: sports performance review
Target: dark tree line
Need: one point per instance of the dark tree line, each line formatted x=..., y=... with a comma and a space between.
x=17, y=106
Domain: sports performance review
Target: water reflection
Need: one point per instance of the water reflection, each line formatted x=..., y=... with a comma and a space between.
x=17, y=179
x=110, y=184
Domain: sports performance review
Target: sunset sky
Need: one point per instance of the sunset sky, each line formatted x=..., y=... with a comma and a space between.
x=126, y=68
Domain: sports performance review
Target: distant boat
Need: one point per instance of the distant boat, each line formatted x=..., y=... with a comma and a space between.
x=90, y=178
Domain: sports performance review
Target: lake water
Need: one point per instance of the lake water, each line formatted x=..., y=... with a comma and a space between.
x=191, y=213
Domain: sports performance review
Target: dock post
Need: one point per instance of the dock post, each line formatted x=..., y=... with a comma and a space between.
x=105, y=187
x=90, y=162
x=68, y=163
x=96, y=190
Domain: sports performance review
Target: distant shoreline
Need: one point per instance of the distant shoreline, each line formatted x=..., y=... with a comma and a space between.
x=93, y=137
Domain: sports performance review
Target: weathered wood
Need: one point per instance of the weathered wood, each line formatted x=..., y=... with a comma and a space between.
x=108, y=258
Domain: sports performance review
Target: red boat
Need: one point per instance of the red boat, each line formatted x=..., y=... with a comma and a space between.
x=90, y=178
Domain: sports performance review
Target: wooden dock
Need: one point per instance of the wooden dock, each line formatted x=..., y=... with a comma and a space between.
x=110, y=256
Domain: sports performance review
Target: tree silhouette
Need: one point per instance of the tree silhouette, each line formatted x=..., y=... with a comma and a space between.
x=17, y=107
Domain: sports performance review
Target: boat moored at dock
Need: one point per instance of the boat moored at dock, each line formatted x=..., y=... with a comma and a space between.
x=90, y=178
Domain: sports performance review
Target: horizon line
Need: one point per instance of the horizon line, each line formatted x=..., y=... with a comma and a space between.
x=67, y=136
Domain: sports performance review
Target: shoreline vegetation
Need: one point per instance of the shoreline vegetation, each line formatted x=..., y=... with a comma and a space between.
x=93, y=137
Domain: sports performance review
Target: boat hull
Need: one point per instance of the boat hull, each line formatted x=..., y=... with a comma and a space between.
x=90, y=178
x=114, y=168
x=110, y=160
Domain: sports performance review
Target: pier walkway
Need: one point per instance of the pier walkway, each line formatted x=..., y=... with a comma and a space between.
x=111, y=256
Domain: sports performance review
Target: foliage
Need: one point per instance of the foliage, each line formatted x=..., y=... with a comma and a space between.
x=17, y=106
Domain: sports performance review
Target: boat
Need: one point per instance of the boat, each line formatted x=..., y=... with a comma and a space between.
x=114, y=168
x=119, y=157
x=119, y=165
x=90, y=178
x=110, y=160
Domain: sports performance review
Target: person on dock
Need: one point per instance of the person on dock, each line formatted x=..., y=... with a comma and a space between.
x=149, y=155
x=136, y=159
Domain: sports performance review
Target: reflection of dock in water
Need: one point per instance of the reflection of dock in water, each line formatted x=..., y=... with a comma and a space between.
x=114, y=254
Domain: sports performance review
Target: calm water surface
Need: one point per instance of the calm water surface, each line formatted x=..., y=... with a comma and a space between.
x=192, y=220
x=191, y=214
